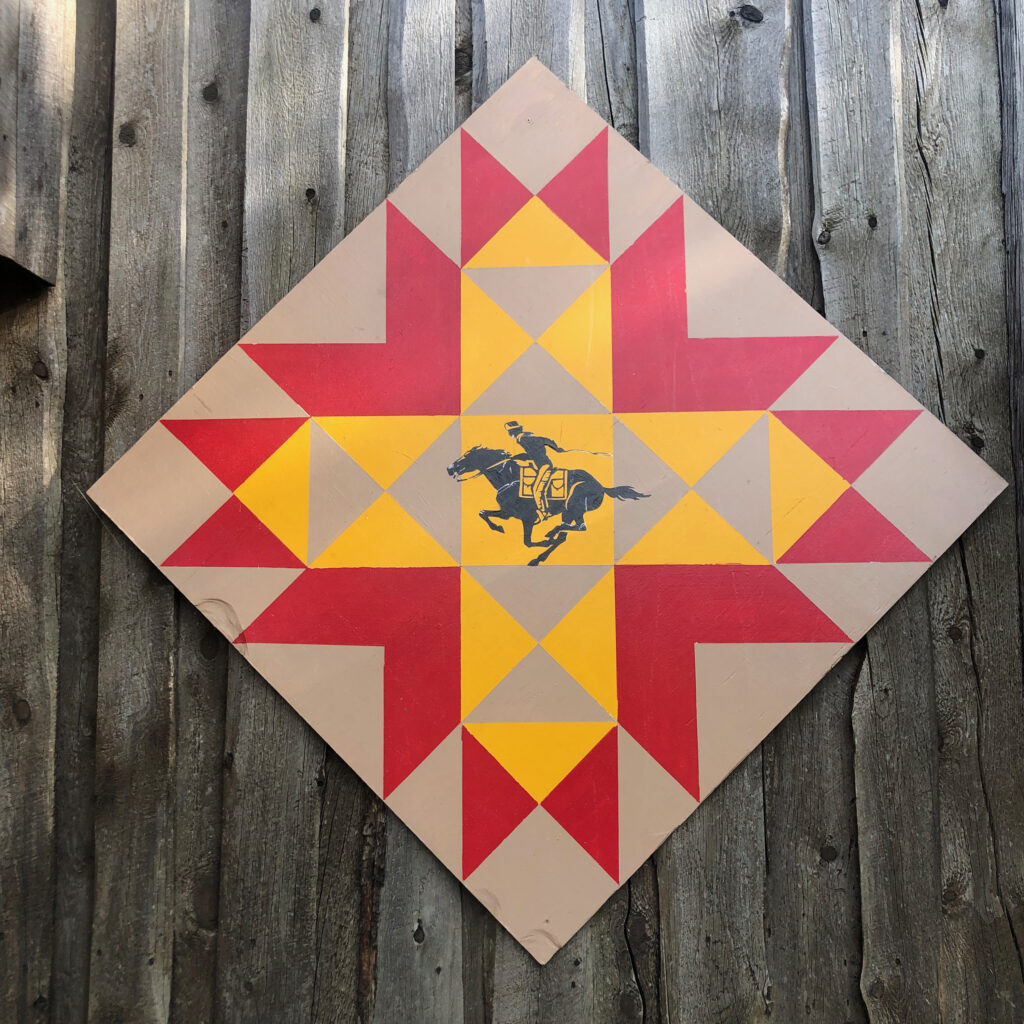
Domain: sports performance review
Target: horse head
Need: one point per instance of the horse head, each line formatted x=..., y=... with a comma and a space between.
x=476, y=460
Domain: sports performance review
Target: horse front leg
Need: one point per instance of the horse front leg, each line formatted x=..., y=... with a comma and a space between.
x=486, y=513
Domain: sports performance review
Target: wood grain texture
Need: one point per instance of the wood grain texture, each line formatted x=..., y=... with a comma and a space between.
x=85, y=272
x=33, y=361
x=132, y=930
x=215, y=84
x=507, y=33
x=36, y=39
x=611, y=64
x=176, y=845
x=912, y=266
x=704, y=126
x=1010, y=37
x=294, y=214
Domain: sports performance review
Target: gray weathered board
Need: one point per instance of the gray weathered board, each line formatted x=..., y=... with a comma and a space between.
x=35, y=90
x=176, y=845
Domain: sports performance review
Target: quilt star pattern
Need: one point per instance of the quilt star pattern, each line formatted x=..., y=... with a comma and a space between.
x=543, y=501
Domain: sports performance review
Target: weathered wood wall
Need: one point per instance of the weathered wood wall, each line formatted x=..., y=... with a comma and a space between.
x=176, y=845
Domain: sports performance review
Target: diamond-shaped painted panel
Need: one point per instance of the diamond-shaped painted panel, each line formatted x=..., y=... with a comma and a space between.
x=543, y=501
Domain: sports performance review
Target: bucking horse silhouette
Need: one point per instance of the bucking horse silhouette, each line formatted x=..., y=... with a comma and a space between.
x=583, y=494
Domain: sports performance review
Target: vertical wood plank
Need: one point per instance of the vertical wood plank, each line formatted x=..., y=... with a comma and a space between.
x=32, y=376
x=85, y=268
x=910, y=240
x=812, y=886
x=704, y=126
x=1010, y=35
x=132, y=933
x=215, y=178
x=294, y=210
x=352, y=831
x=611, y=64
x=10, y=30
x=33, y=359
x=36, y=42
x=507, y=33
x=419, y=936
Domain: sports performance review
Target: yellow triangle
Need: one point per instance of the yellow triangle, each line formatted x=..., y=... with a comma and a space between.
x=536, y=237
x=581, y=339
x=693, y=533
x=493, y=643
x=690, y=442
x=277, y=492
x=538, y=755
x=491, y=341
x=385, y=446
x=584, y=644
x=804, y=486
x=384, y=536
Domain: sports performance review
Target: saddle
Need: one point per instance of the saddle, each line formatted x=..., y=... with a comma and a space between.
x=554, y=488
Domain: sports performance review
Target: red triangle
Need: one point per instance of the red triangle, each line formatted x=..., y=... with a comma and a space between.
x=491, y=194
x=231, y=537
x=493, y=804
x=579, y=194
x=849, y=440
x=232, y=449
x=853, y=530
x=586, y=803
x=649, y=329
x=714, y=604
x=413, y=613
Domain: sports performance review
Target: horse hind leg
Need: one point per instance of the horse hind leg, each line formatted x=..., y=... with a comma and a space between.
x=565, y=524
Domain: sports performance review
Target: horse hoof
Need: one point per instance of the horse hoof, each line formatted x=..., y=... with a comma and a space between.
x=533, y=561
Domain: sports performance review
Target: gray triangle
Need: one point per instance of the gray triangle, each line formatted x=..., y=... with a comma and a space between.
x=431, y=496
x=637, y=465
x=538, y=689
x=738, y=487
x=340, y=491
x=537, y=597
x=536, y=383
x=535, y=297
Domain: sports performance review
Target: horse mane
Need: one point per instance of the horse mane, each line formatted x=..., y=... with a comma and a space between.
x=493, y=454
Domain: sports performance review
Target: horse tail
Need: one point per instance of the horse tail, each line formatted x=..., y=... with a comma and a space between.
x=624, y=491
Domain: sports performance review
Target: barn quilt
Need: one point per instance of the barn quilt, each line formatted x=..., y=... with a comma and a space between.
x=543, y=501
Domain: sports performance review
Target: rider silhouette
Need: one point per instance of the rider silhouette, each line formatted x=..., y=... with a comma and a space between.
x=535, y=449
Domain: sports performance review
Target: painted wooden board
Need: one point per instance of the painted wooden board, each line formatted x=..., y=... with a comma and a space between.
x=543, y=501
